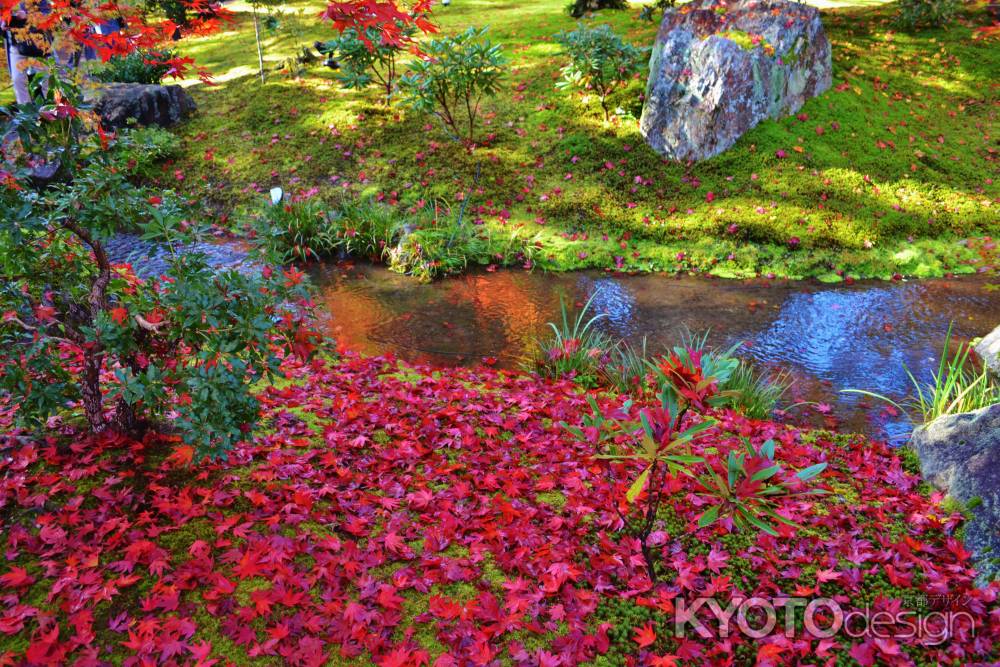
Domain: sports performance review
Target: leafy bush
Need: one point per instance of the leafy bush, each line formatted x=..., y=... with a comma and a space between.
x=138, y=150
x=746, y=486
x=918, y=14
x=76, y=330
x=175, y=10
x=599, y=61
x=578, y=8
x=49, y=131
x=453, y=77
x=661, y=440
x=369, y=61
x=137, y=67
x=576, y=349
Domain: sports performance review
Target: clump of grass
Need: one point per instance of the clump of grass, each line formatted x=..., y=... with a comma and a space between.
x=295, y=231
x=444, y=247
x=755, y=392
x=628, y=368
x=750, y=390
x=368, y=229
x=957, y=386
x=576, y=349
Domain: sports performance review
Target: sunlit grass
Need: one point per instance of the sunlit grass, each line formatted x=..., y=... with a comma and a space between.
x=884, y=174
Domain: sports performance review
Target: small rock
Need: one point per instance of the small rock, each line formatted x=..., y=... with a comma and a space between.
x=960, y=454
x=119, y=103
x=988, y=350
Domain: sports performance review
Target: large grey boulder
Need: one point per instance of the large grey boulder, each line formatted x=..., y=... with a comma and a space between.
x=717, y=69
x=988, y=350
x=144, y=104
x=960, y=454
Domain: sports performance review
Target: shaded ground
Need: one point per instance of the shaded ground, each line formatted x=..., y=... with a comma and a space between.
x=397, y=516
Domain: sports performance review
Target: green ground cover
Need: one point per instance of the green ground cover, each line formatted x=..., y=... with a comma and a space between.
x=890, y=171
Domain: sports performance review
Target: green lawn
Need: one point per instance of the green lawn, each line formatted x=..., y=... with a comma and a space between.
x=887, y=172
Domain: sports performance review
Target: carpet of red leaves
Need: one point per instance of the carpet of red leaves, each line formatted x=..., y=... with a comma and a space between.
x=402, y=516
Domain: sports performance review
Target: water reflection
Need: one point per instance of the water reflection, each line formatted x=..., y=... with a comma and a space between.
x=616, y=302
x=828, y=337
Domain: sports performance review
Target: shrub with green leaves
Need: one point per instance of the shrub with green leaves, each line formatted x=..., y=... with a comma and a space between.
x=372, y=61
x=599, y=61
x=920, y=14
x=139, y=150
x=77, y=331
x=141, y=66
x=578, y=8
x=745, y=487
x=452, y=78
x=662, y=440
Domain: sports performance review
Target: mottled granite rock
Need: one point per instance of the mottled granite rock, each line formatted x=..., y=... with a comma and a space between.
x=718, y=69
x=988, y=350
x=960, y=454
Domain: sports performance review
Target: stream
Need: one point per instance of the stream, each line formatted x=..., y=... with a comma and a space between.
x=826, y=337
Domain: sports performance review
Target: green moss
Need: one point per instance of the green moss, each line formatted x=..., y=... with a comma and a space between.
x=554, y=498
x=311, y=419
x=887, y=173
x=244, y=587
x=178, y=541
x=745, y=40
x=209, y=628
x=910, y=460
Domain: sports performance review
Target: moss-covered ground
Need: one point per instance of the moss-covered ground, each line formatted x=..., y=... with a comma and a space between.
x=893, y=170
x=396, y=515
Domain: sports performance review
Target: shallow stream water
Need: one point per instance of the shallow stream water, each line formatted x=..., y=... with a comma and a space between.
x=828, y=338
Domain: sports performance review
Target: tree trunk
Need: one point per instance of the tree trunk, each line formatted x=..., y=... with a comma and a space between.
x=93, y=360
x=90, y=391
x=126, y=420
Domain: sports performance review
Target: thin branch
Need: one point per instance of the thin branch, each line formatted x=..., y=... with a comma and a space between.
x=27, y=327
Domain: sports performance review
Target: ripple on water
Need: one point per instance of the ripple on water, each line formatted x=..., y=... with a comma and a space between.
x=829, y=337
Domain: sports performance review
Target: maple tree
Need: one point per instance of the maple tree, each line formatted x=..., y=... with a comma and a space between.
x=67, y=28
x=394, y=24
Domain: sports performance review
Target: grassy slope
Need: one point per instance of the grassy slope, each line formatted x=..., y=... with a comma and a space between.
x=911, y=167
x=914, y=156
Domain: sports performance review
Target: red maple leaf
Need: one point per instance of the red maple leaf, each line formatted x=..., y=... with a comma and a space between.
x=645, y=635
